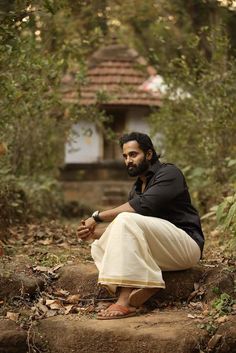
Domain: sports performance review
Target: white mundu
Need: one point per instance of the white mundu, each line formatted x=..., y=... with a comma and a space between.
x=134, y=250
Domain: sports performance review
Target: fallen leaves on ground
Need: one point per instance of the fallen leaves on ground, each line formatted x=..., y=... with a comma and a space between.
x=50, y=272
x=44, y=233
x=198, y=292
x=61, y=302
x=12, y=316
x=73, y=299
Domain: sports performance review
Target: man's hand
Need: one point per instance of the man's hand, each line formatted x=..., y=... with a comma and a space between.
x=86, y=229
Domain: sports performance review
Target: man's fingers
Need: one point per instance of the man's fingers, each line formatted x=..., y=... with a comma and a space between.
x=85, y=236
x=83, y=231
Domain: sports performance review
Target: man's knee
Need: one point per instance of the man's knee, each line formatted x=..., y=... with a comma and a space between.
x=127, y=217
x=123, y=217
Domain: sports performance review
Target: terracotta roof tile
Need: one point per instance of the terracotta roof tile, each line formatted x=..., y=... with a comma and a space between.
x=116, y=71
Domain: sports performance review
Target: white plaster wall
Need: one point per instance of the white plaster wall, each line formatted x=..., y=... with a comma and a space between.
x=137, y=121
x=84, y=144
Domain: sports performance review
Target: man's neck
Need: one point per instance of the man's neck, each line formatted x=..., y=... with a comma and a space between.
x=143, y=178
x=144, y=182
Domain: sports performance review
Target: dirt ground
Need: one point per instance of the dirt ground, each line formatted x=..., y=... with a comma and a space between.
x=49, y=299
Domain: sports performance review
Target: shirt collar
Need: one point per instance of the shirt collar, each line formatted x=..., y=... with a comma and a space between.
x=152, y=169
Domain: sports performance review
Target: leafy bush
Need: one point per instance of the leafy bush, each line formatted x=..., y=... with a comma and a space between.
x=13, y=203
x=197, y=118
x=226, y=217
x=223, y=305
x=23, y=199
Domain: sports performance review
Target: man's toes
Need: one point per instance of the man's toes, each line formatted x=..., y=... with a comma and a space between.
x=115, y=313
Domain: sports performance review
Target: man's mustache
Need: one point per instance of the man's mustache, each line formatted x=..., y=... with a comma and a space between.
x=131, y=165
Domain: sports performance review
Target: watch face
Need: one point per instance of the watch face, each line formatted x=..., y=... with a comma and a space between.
x=96, y=217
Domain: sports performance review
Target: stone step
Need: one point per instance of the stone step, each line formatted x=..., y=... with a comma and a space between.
x=82, y=278
x=12, y=338
x=114, y=196
x=113, y=201
x=157, y=332
x=160, y=331
x=111, y=191
x=20, y=284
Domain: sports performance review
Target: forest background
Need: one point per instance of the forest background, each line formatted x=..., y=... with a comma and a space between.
x=190, y=43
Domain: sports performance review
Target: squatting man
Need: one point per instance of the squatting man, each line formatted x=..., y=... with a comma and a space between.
x=157, y=230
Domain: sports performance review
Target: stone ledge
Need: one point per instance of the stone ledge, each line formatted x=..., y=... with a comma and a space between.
x=12, y=338
x=82, y=278
x=19, y=283
x=162, y=332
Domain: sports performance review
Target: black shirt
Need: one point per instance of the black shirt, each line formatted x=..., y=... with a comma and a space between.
x=166, y=196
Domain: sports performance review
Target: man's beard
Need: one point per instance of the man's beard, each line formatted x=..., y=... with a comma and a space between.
x=136, y=170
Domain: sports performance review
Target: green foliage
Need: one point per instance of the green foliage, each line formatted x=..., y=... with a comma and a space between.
x=40, y=40
x=226, y=217
x=24, y=198
x=210, y=326
x=32, y=122
x=164, y=29
x=223, y=305
x=216, y=290
x=13, y=203
x=197, y=118
x=37, y=46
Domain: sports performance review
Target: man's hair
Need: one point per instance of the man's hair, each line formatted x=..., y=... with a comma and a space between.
x=144, y=141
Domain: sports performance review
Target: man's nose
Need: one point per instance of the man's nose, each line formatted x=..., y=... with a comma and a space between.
x=129, y=160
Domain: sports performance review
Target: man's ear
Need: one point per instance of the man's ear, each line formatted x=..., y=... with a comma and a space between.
x=149, y=155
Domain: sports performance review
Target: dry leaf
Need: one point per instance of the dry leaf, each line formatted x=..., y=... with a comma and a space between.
x=45, y=242
x=73, y=299
x=61, y=292
x=222, y=319
x=54, y=304
x=12, y=316
x=41, y=268
x=206, y=312
x=42, y=308
x=68, y=309
x=190, y=316
x=196, y=305
x=57, y=267
x=214, y=341
x=51, y=313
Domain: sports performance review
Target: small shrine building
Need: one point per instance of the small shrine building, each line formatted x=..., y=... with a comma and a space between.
x=117, y=81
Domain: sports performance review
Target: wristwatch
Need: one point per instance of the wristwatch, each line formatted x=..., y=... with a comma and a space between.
x=96, y=217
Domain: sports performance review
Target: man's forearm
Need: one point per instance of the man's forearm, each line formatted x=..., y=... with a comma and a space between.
x=109, y=215
x=89, y=228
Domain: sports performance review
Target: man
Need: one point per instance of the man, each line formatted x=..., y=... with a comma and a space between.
x=157, y=230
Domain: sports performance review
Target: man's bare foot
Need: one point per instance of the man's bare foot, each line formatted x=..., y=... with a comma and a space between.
x=121, y=308
x=141, y=295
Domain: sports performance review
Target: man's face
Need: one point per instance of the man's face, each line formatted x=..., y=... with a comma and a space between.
x=136, y=161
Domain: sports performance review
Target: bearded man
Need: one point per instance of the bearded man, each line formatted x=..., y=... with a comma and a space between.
x=157, y=230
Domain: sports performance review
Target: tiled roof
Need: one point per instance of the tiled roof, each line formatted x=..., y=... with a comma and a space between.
x=114, y=77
